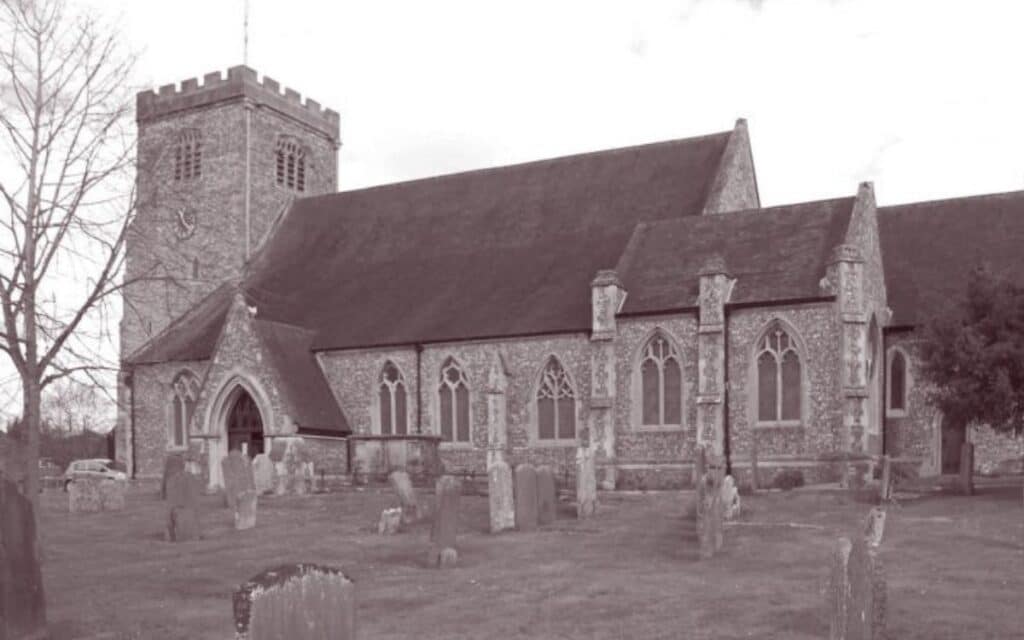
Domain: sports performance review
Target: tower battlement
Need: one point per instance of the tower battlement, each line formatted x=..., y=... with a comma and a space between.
x=240, y=83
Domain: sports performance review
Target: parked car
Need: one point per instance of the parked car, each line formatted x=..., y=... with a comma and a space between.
x=93, y=468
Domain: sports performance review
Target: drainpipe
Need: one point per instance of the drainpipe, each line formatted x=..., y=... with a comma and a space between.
x=419, y=387
x=130, y=384
x=883, y=398
x=727, y=448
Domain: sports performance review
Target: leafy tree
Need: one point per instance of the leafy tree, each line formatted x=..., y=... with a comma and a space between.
x=973, y=354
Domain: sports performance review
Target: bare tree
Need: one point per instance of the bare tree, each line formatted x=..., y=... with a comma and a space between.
x=66, y=194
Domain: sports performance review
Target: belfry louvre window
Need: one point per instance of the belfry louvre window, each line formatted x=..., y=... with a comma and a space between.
x=778, y=378
x=453, y=402
x=661, y=383
x=392, y=401
x=188, y=156
x=291, y=164
x=183, y=403
x=556, y=404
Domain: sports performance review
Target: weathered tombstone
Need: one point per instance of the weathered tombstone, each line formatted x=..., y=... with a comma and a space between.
x=22, y=601
x=407, y=498
x=183, y=491
x=173, y=463
x=730, y=498
x=499, y=492
x=865, y=608
x=84, y=495
x=245, y=509
x=885, y=490
x=547, y=505
x=586, y=483
x=526, y=497
x=838, y=592
x=264, y=475
x=967, y=469
x=294, y=474
x=390, y=521
x=445, y=525
x=112, y=494
x=875, y=527
x=238, y=476
x=298, y=601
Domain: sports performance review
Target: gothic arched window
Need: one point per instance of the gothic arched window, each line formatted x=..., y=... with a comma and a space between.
x=188, y=156
x=661, y=383
x=556, y=403
x=185, y=388
x=392, y=401
x=779, y=378
x=453, y=403
x=898, y=383
x=291, y=164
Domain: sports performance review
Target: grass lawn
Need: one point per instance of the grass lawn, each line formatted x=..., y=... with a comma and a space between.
x=955, y=569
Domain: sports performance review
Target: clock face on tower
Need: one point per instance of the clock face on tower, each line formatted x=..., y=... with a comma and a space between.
x=185, y=222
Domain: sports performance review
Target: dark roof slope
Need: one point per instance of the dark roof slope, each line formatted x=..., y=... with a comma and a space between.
x=778, y=253
x=497, y=252
x=194, y=335
x=930, y=247
x=302, y=382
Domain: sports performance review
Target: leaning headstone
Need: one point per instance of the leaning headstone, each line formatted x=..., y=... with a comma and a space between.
x=245, y=509
x=445, y=525
x=875, y=527
x=838, y=591
x=238, y=476
x=547, y=504
x=586, y=483
x=407, y=498
x=967, y=469
x=264, y=475
x=526, y=497
x=300, y=601
x=183, y=491
x=183, y=524
x=390, y=522
x=499, y=492
x=84, y=495
x=112, y=494
x=865, y=607
x=174, y=463
x=22, y=601
x=730, y=498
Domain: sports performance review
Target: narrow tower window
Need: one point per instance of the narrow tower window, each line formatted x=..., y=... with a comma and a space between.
x=188, y=156
x=291, y=165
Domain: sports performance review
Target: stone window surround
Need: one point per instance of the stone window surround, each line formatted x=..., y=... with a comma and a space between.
x=636, y=388
x=171, y=408
x=435, y=405
x=375, y=423
x=907, y=381
x=534, y=441
x=797, y=342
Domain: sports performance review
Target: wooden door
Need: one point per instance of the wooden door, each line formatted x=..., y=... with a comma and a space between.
x=245, y=426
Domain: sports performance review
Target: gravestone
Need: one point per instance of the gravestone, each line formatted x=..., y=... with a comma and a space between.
x=586, y=483
x=838, y=591
x=293, y=467
x=967, y=469
x=112, y=494
x=238, y=476
x=173, y=463
x=875, y=527
x=407, y=498
x=298, y=602
x=526, y=497
x=865, y=606
x=547, y=505
x=499, y=491
x=22, y=601
x=730, y=498
x=885, y=490
x=84, y=495
x=390, y=521
x=446, y=522
x=245, y=509
x=183, y=491
x=264, y=475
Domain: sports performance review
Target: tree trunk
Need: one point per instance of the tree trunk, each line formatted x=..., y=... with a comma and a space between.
x=31, y=417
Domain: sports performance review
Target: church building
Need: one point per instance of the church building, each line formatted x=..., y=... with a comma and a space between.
x=629, y=304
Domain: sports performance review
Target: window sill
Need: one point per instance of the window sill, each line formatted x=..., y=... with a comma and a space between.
x=561, y=443
x=659, y=428
x=177, y=447
x=782, y=424
x=456, y=445
x=895, y=413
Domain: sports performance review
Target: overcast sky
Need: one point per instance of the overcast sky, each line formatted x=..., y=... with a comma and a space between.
x=923, y=98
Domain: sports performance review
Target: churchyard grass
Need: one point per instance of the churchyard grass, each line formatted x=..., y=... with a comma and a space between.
x=955, y=568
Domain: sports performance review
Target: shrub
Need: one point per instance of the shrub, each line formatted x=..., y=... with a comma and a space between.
x=788, y=479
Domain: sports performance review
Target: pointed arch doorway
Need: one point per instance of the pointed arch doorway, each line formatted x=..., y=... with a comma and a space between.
x=244, y=424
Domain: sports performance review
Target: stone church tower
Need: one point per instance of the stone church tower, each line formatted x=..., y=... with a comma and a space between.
x=218, y=162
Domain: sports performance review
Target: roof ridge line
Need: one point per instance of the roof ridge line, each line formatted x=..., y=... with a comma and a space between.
x=976, y=196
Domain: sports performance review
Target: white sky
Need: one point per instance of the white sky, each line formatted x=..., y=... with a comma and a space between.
x=923, y=98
